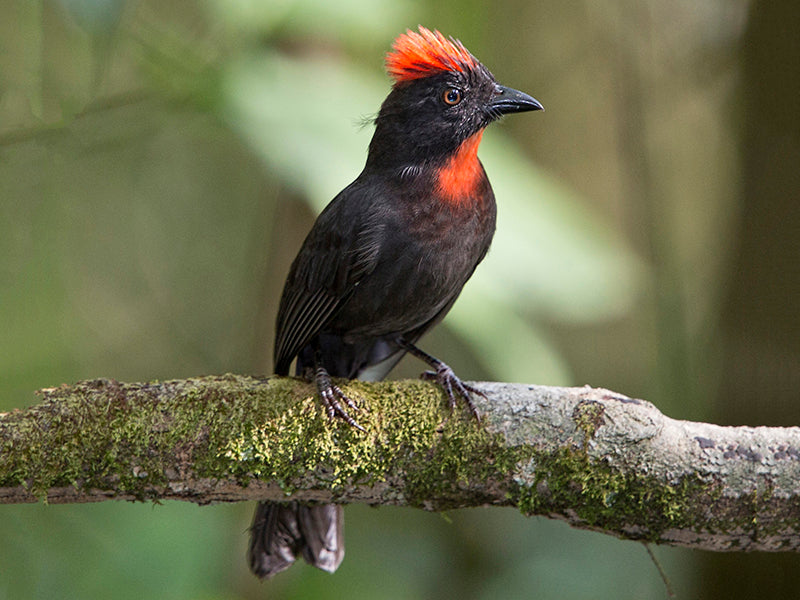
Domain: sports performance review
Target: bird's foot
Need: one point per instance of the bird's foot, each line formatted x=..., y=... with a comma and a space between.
x=453, y=386
x=445, y=377
x=332, y=398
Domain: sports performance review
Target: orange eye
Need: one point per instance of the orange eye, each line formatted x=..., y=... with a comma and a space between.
x=452, y=96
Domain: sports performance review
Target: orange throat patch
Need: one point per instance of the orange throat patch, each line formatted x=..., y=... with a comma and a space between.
x=461, y=174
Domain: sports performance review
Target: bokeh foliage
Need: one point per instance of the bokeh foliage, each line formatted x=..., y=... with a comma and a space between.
x=160, y=163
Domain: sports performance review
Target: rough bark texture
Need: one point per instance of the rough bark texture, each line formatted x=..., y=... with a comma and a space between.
x=591, y=457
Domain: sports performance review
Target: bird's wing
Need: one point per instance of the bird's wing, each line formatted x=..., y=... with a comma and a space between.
x=341, y=248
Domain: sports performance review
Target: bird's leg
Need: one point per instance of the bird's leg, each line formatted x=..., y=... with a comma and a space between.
x=445, y=377
x=332, y=395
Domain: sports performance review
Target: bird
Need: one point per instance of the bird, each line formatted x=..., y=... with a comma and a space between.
x=386, y=259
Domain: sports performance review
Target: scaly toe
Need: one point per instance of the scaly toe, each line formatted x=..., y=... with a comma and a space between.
x=330, y=398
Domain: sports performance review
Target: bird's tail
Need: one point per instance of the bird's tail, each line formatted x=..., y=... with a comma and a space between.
x=283, y=531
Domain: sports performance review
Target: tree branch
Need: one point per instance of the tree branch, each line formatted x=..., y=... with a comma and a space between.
x=594, y=458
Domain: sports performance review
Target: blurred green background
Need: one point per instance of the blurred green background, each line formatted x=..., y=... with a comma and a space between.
x=161, y=162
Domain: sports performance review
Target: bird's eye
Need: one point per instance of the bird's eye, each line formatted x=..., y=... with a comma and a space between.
x=452, y=96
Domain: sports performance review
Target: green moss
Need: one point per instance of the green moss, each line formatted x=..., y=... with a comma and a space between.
x=588, y=415
x=438, y=452
x=600, y=496
x=137, y=437
x=606, y=498
x=101, y=433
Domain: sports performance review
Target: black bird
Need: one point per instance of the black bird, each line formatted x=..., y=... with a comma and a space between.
x=387, y=258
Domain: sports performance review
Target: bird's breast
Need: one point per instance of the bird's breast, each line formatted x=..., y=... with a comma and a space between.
x=428, y=251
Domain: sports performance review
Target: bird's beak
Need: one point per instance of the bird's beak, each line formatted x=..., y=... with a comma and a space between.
x=509, y=100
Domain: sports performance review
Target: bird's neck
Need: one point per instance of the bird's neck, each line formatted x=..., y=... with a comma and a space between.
x=456, y=177
x=461, y=175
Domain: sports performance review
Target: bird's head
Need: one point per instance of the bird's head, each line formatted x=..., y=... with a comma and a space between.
x=441, y=96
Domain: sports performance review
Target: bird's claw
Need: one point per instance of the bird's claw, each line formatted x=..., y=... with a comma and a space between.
x=332, y=398
x=452, y=385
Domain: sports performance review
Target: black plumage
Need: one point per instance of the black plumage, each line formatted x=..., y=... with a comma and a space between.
x=387, y=258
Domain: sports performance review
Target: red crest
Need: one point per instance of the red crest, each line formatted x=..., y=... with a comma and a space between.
x=416, y=55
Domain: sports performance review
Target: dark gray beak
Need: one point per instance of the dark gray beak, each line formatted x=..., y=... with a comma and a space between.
x=509, y=101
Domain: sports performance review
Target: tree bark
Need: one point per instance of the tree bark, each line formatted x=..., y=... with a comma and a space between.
x=594, y=458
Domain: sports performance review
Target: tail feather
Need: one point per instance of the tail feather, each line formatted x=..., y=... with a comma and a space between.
x=283, y=531
x=322, y=527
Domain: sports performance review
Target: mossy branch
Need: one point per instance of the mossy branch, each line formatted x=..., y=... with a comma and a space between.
x=591, y=457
